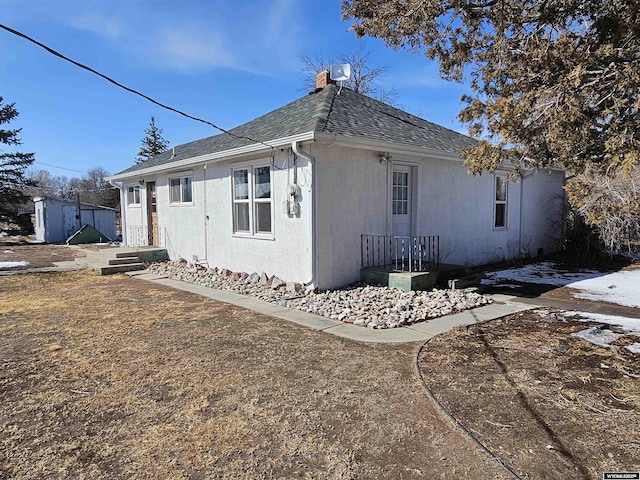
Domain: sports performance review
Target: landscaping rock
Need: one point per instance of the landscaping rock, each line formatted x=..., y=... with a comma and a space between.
x=363, y=305
x=253, y=278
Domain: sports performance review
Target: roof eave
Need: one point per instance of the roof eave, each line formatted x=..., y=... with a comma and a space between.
x=214, y=157
x=380, y=145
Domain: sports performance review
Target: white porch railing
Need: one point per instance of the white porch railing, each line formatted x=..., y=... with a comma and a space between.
x=138, y=236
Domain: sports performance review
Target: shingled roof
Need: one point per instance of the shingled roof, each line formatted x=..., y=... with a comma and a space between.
x=330, y=110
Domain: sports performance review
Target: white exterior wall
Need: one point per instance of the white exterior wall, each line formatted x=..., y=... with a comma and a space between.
x=40, y=229
x=288, y=253
x=353, y=195
x=459, y=207
x=542, y=212
x=354, y=198
x=182, y=223
x=203, y=229
x=352, y=201
x=136, y=215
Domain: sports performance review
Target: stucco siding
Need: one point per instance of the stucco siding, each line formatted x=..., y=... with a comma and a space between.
x=354, y=198
x=459, y=207
x=202, y=230
x=182, y=223
x=352, y=201
x=542, y=212
x=285, y=253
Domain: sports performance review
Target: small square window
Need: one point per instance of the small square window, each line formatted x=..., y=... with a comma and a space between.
x=133, y=195
x=181, y=189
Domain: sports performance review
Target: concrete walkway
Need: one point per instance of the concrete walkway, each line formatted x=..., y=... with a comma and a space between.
x=414, y=333
x=572, y=304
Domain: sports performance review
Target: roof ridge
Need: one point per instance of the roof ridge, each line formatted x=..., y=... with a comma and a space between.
x=320, y=116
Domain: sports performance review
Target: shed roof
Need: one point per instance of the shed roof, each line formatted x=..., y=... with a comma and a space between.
x=83, y=205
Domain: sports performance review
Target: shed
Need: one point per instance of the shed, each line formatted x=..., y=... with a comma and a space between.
x=56, y=219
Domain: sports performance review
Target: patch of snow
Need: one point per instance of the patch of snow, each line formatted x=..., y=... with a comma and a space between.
x=621, y=287
x=8, y=251
x=627, y=324
x=22, y=263
x=3, y=234
x=542, y=273
x=634, y=347
x=598, y=336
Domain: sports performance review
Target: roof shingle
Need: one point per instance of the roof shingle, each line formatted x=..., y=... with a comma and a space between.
x=330, y=110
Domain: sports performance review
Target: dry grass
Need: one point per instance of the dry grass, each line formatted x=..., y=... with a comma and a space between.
x=551, y=405
x=111, y=377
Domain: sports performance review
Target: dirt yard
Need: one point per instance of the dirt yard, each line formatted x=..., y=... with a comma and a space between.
x=37, y=256
x=548, y=404
x=112, y=377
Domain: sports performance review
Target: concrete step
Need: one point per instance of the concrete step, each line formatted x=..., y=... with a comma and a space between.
x=123, y=260
x=150, y=254
x=465, y=282
x=130, y=267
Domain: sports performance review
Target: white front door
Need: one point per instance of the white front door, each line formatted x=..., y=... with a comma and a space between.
x=401, y=201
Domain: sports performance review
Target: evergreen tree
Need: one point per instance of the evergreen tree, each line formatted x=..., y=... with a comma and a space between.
x=553, y=82
x=13, y=168
x=153, y=143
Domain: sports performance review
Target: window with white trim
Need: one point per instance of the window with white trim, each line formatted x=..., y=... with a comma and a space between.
x=400, y=202
x=252, y=212
x=181, y=189
x=133, y=195
x=500, y=202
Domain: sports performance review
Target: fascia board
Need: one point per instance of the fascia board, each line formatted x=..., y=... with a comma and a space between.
x=224, y=155
x=368, y=144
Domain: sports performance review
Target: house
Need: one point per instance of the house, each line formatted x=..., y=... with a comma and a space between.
x=313, y=191
x=56, y=219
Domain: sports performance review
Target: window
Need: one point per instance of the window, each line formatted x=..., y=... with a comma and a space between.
x=500, y=203
x=181, y=189
x=252, y=200
x=400, y=193
x=133, y=195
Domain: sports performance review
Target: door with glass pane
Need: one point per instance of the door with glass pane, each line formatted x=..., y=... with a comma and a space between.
x=401, y=201
x=152, y=215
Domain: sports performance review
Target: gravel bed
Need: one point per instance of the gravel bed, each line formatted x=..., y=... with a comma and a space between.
x=362, y=305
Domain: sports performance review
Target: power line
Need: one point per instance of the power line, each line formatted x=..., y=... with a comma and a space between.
x=61, y=168
x=131, y=90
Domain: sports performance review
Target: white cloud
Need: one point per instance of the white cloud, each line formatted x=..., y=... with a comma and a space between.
x=97, y=23
x=190, y=48
x=279, y=17
x=258, y=36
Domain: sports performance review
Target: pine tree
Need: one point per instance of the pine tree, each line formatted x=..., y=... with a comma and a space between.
x=153, y=143
x=13, y=168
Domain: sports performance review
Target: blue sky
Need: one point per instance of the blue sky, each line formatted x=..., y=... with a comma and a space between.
x=227, y=62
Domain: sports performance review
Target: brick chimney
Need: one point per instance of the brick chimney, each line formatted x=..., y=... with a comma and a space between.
x=323, y=79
